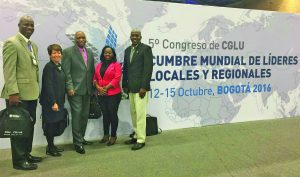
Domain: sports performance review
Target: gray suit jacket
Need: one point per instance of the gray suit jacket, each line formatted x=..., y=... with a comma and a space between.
x=20, y=74
x=78, y=75
x=137, y=73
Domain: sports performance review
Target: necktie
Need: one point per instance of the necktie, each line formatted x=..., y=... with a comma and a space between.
x=29, y=46
x=131, y=53
x=31, y=51
x=83, y=56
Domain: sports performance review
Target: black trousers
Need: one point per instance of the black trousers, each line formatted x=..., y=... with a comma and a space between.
x=110, y=106
x=21, y=147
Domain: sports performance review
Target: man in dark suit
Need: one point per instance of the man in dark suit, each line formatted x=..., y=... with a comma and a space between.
x=21, y=76
x=78, y=65
x=137, y=72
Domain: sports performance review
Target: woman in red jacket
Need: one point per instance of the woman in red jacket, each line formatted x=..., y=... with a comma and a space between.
x=107, y=81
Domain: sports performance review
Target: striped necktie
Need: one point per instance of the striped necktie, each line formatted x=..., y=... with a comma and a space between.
x=29, y=46
x=83, y=56
x=131, y=53
x=34, y=61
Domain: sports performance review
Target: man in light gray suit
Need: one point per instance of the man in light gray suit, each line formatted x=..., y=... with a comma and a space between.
x=137, y=72
x=21, y=88
x=78, y=65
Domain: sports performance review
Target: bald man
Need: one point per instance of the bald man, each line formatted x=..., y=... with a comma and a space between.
x=78, y=65
x=21, y=77
x=137, y=72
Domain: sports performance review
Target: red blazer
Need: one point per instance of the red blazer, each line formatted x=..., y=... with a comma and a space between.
x=112, y=75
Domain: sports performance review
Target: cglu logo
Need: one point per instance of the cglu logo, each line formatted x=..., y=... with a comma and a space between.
x=14, y=116
x=111, y=38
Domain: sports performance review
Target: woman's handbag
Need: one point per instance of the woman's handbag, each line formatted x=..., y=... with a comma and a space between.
x=15, y=121
x=64, y=123
x=61, y=125
x=95, y=109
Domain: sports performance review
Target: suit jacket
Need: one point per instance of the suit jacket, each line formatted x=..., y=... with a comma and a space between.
x=137, y=73
x=111, y=76
x=20, y=74
x=53, y=91
x=79, y=76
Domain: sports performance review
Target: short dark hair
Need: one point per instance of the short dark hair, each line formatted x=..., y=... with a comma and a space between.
x=25, y=17
x=114, y=58
x=54, y=47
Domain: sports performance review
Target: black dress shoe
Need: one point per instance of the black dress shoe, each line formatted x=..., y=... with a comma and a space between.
x=25, y=166
x=57, y=149
x=138, y=146
x=131, y=141
x=85, y=142
x=79, y=149
x=52, y=151
x=34, y=159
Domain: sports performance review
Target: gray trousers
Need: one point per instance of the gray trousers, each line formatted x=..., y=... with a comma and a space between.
x=80, y=107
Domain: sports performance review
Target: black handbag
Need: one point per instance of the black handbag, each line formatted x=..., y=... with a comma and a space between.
x=15, y=122
x=64, y=123
x=95, y=109
x=61, y=125
x=151, y=125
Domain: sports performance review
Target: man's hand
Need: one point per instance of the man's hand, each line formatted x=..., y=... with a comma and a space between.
x=142, y=93
x=125, y=90
x=71, y=92
x=14, y=100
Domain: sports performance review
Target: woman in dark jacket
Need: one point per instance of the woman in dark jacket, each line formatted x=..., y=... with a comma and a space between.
x=52, y=99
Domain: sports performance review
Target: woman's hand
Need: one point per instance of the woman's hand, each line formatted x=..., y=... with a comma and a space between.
x=102, y=91
x=55, y=107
